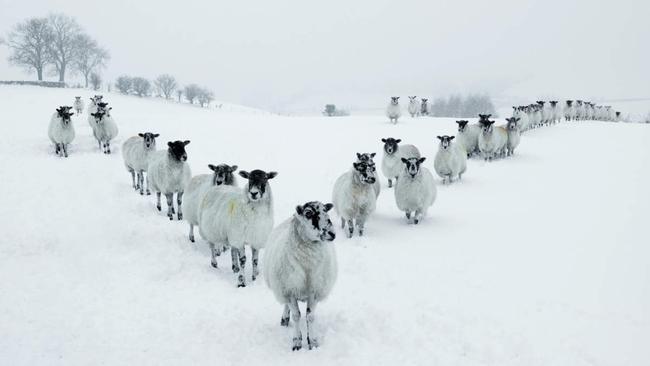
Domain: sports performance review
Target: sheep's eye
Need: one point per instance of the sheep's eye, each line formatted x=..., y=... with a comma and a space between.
x=308, y=214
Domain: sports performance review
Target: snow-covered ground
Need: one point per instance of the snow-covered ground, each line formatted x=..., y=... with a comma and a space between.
x=540, y=259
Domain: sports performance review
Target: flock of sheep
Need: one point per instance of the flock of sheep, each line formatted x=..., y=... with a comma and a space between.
x=299, y=264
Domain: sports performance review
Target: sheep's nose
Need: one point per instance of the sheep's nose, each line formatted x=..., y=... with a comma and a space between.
x=371, y=180
x=254, y=194
x=184, y=157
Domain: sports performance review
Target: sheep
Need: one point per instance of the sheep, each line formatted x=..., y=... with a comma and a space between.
x=60, y=130
x=368, y=158
x=393, y=111
x=556, y=114
x=414, y=106
x=451, y=159
x=169, y=173
x=354, y=197
x=391, y=165
x=569, y=111
x=468, y=137
x=424, y=107
x=512, y=128
x=580, y=110
x=136, y=151
x=524, y=122
x=492, y=140
x=415, y=191
x=238, y=217
x=78, y=105
x=300, y=265
x=93, y=103
x=198, y=187
x=104, y=129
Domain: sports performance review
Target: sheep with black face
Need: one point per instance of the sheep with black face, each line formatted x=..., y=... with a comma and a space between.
x=424, y=106
x=198, y=188
x=230, y=216
x=169, y=173
x=512, y=127
x=78, y=105
x=104, y=129
x=414, y=106
x=468, y=137
x=60, y=130
x=415, y=190
x=391, y=164
x=393, y=110
x=569, y=111
x=368, y=158
x=136, y=151
x=451, y=160
x=492, y=140
x=300, y=265
x=354, y=196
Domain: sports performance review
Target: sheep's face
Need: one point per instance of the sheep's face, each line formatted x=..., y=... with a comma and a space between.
x=365, y=172
x=77, y=98
x=484, y=117
x=390, y=145
x=512, y=123
x=486, y=126
x=579, y=103
x=394, y=100
x=569, y=103
x=257, y=183
x=149, y=139
x=96, y=99
x=315, y=221
x=222, y=173
x=413, y=98
x=177, y=149
x=553, y=103
x=99, y=116
x=424, y=100
x=462, y=124
x=541, y=103
x=445, y=141
x=64, y=113
x=366, y=158
x=412, y=165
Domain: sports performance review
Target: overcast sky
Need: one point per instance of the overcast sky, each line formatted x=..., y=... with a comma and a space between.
x=284, y=55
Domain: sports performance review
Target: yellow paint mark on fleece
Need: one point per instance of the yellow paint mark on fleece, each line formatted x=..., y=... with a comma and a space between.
x=231, y=207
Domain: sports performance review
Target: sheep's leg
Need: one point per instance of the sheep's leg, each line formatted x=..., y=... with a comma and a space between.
x=192, y=235
x=418, y=216
x=108, y=147
x=361, y=222
x=179, y=201
x=133, y=185
x=141, y=182
x=390, y=183
x=408, y=215
x=213, y=250
x=242, y=265
x=236, y=262
x=148, y=191
x=284, y=321
x=295, y=316
x=65, y=149
x=350, y=228
x=254, y=258
x=56, y=148
x=170, y=205
x=342, y=223
x=312, y=342
x=158, y=201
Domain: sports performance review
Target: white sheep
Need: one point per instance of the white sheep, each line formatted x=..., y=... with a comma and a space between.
x=414, y=106
x=104, y=129
x=78, y=105
x=468, y=137
x=393, y=111
x=415, y=190
x=354, y=196
x=300, y=265
x=60, y=130
x=524, y=122
x=238, y=217
x=136, y=152
x=391, y=165
x=368, y=158
x=424, y=107
x=492, y=140
x=557, y=114
x=169, y=173
x=198, y=188
x=569, y=111
x=512, y=127
x=451, y=159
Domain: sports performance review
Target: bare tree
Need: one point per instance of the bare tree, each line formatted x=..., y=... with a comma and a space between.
x=205, y=97
x=141, y=87
x=90, y=56
x=29, y=42
x=191, y=92
x=63, y=49
x=95, y=80
x=124, y=84
x=165, y=85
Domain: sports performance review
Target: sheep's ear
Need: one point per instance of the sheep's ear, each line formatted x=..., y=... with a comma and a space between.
x=233, y=168
x=109, y=108
x=358, y=156
x=156, y=135
x=404, y=160
x=244, y=174
x=421, y=160
x=439, y=138
x=372, y=155
x=212, y=167
x=141, y=134
x=299, y=210
x=186, y=142
x=398, y=141
x=169, y=143
x=383, y=140
x=451, y=137
x=328, y=206
x=517, y=119
x=271, y=175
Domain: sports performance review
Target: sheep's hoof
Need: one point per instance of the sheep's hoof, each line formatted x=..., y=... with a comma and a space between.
x=297, y=344
x=416, y=221
x=408, y=215
x=253, y=278
x=141, y=193
x=240, y=281
x=192, y=239
x=148, y=193
x=158, y=207
x=171, y=218
x=284, y=322
x=214, y=264
x=360, y=232
x=312, y=342
x=349, y=235
x=180, y=216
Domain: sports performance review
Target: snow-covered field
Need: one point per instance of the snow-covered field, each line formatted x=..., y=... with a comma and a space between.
x=540, y=259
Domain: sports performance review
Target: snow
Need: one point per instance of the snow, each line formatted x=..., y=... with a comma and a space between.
x=539, y=259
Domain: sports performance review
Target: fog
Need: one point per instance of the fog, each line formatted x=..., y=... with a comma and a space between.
x=298, y=55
